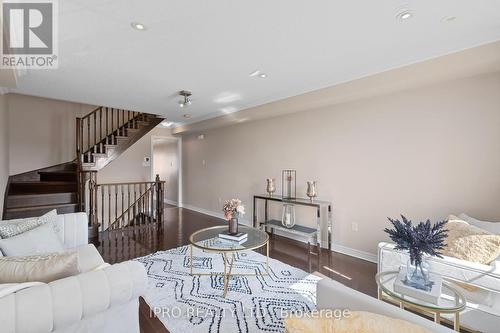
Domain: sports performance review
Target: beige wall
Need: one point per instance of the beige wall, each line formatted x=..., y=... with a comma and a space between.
x=129, y=166
x=4, y=148
x=42, y=132
x=166, y=164
x=425, y=152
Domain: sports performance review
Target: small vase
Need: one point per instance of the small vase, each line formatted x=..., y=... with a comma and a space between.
x=233, y=226
x=311, y=190
x=271, y=188
x=417, y=276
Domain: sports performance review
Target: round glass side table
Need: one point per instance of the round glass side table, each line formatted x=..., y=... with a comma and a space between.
x=450, y=302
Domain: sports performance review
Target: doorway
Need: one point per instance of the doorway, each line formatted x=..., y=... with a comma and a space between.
x=166, y=162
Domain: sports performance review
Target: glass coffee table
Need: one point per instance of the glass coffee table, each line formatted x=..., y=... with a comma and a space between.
x=208, y=240
x=450, y=302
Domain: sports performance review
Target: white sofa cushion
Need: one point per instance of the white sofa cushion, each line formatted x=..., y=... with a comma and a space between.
x=10, y=228
x=40, y=240
x=493, y=227
x=72, y=229
x=89, y=258
x=42, y=268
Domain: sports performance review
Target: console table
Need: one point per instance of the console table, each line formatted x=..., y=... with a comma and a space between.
x=308, y=232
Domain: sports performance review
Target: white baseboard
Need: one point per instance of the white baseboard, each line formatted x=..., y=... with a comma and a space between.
x=214, y=214
x=170, y=202
x=354, y=253
x=335, y=247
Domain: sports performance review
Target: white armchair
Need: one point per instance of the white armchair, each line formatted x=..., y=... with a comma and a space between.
x=482, y=288
x=101, y=300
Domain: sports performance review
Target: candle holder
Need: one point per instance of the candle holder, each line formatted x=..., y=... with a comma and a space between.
x=288, y=216
x=289, y=184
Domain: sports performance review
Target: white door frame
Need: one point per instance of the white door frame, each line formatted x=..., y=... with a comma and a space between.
x=177, y=139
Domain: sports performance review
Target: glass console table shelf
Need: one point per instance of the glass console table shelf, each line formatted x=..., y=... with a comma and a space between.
x=311, y=233
x=296, y=229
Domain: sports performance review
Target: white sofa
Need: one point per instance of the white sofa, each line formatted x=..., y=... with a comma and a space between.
x=483, y=299
x=331, y=294
x=102, y=300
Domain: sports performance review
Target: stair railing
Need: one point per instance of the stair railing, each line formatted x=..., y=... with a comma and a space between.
x=117, y=205
x=94, y=131
x=101, y=127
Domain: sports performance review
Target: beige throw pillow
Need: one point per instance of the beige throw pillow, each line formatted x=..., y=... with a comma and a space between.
x=42, y=268
x=470, y=243
x=482, y=249
x=357, y=322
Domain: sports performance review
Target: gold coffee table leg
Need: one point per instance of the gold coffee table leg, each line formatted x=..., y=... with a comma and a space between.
x=267, y=258
x=191, y=259
x=227, y=275
x=437, y=318
x=456, y=322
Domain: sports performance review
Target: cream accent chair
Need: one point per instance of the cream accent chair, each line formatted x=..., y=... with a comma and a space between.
x=103, y=300
x=331, y=294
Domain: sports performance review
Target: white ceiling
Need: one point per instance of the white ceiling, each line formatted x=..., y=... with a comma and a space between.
x=211, y=47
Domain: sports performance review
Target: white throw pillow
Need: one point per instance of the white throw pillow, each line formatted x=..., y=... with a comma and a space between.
x=493, y=227
x=40, y=240
x=11, y=228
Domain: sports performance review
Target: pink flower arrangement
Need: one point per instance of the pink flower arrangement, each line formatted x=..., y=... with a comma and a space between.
x=233, y=209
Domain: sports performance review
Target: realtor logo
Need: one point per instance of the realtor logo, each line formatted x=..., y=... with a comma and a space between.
x=30, y=34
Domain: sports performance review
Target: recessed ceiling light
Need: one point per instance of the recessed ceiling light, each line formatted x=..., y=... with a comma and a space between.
x=404, y=15
x=262, y=75
x=448, y=18
x=187, y=116
x=138, y=26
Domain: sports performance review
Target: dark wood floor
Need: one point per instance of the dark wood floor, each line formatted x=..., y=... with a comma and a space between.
x=180, y=223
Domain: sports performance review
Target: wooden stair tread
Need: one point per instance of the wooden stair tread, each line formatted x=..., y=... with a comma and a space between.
x=61, y=171
x=28, y=196
x=42, y=199
x=43, y=182
x=54, y=206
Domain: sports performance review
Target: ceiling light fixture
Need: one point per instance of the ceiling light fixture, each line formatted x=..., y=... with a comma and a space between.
x=262, y=75
x=404, y=15
x=187, y=98
x=138, y=26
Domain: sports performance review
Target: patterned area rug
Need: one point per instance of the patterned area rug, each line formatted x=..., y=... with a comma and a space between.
x=193, y=304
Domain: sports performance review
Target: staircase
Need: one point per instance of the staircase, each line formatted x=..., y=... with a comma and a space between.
x=36, y=192
x=106, y=133
x=102, y=136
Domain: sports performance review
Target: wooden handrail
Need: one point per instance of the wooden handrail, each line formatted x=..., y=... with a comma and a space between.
x=129, y=183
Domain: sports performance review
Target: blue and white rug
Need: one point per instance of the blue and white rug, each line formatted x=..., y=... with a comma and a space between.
x=194, y=304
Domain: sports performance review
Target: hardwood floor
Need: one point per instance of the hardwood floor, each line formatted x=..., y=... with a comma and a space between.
x=180, y=223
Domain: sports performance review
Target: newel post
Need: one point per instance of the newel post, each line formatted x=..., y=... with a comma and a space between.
x=93, y=223
x=79, y=184
x=159, y=199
